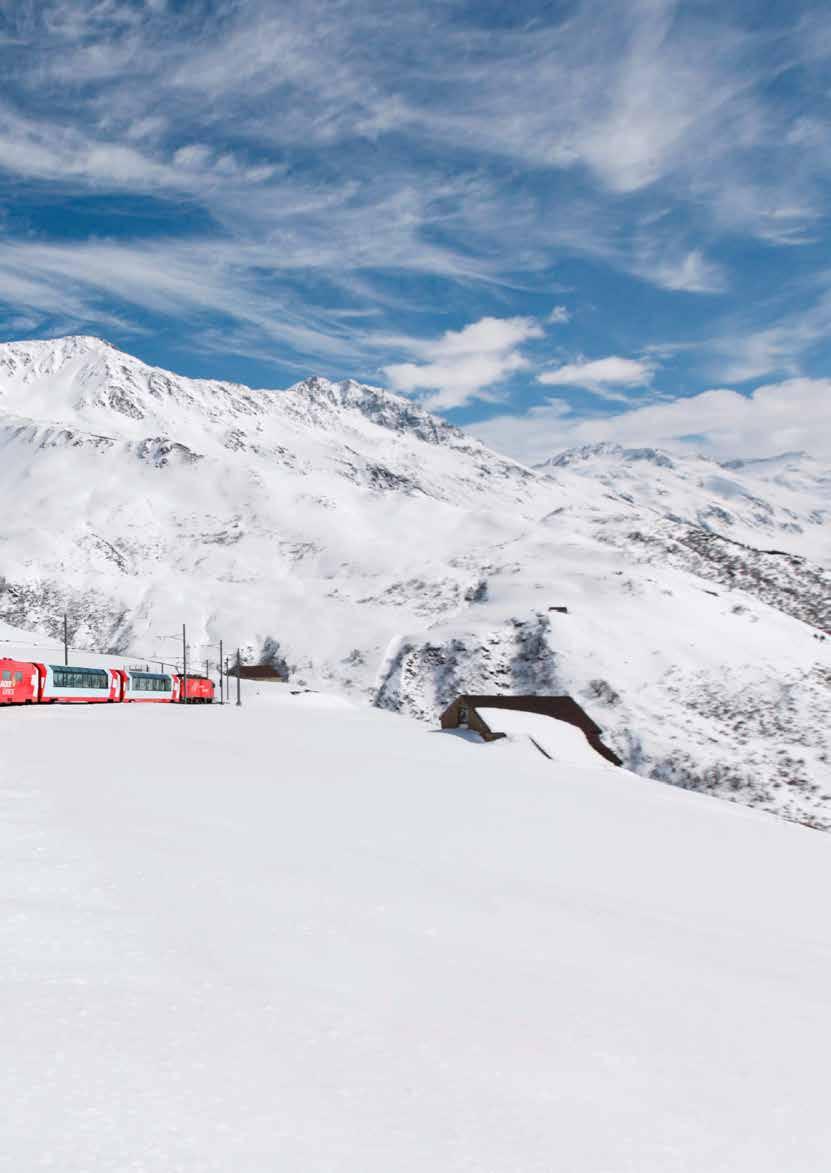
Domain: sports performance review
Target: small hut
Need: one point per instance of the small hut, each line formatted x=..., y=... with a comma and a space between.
x=465, y=711
x=258, y=672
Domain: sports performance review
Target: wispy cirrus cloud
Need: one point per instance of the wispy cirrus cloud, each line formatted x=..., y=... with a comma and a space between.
x=740, y=352
x=641, y=95
x=194, y=281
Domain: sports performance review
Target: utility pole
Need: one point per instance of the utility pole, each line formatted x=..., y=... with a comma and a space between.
x=221, y=685
x=207, y=668
x=239, y=699
x=65, y=641
x=184, y=665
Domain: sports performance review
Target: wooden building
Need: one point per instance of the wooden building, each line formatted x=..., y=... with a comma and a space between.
x=258, y=672
x=465, y=711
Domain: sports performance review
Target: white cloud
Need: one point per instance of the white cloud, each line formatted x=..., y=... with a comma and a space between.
x=793, y=415
x=689, y=272
x=463, y=364
x=559, y=316
x=194, y=155
x=600, y=374
x=149, y=127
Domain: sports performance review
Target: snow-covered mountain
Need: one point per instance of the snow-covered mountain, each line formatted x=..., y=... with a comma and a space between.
x=383, y=552
x=784, y=501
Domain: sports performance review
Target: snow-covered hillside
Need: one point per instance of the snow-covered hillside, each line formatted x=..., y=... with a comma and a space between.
x=388, y=555
x=362, y=946
x=783, y=502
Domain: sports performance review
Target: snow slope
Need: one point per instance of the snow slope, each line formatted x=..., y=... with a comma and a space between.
x=307, y=935
x=783, y=501
x=382, y=553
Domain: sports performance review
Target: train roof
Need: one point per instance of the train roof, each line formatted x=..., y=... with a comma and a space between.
x=75, y=668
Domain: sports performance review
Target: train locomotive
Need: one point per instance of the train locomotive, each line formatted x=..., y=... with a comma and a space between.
x=24, y=683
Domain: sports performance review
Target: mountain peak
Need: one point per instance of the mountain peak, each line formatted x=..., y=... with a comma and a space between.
x=35, y=358
x=379, y=406
x=66, y=344
x=86, y=342
x=587, y=452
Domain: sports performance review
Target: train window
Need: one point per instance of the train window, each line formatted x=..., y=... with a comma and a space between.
x=18, y=677
x=149, y=682
x=6, y=674
x=79, y=678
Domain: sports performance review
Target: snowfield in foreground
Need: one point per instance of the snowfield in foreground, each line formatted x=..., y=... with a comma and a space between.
x=307, y=936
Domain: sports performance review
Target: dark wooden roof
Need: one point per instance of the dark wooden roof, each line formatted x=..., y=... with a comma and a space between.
x=464, y=710
x=257, y=672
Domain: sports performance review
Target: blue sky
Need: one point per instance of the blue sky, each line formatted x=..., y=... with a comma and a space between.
x=553, y=222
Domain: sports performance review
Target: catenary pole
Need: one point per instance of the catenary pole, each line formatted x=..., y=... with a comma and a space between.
x=65, y=641
x=184, y=665
x=221, y=685
x=239, y=697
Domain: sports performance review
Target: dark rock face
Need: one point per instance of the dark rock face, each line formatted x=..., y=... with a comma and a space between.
x=784, y=581
x=92, y=618
x=161, y=451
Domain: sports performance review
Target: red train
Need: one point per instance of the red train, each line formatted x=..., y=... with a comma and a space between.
x=24, y=683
